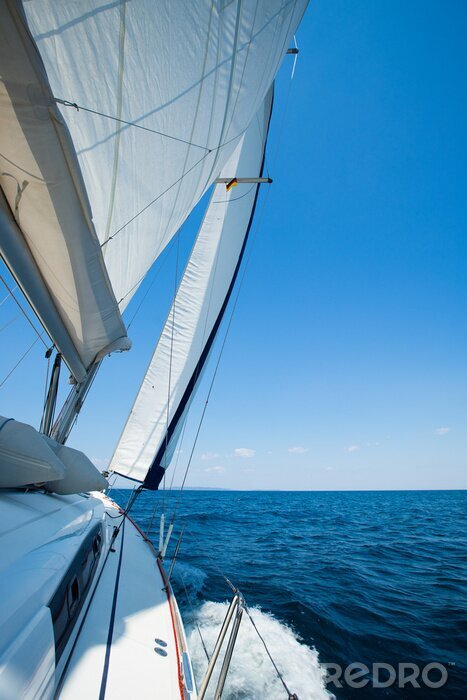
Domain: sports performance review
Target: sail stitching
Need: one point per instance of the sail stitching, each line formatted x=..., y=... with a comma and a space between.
x=195, y=117
x=120, y=72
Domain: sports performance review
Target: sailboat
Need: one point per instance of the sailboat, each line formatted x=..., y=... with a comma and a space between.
x=116, y=118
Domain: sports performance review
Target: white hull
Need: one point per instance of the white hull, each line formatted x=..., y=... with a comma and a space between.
x=80, y=612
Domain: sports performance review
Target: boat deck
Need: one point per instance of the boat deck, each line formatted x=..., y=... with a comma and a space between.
x=127, y=644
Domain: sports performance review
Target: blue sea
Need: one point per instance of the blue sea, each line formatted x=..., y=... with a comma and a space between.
x=336, y=578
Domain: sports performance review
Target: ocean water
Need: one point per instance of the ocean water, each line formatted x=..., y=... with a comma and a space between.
x=330, y=578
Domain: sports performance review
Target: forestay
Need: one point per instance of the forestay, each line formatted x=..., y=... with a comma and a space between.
x=150, y=435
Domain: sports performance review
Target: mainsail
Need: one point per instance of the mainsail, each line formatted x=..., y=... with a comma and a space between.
x=150, y=435
x=116, y=118
x=179, y=82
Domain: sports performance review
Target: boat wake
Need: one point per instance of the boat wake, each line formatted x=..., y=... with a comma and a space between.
x=251, y=673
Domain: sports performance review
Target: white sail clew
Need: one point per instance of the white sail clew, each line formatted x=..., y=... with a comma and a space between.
x=185, y=79
x=151, y=432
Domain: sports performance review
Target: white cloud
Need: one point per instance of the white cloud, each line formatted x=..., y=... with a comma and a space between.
x=353, y=448
x=244, y=452
x=210, y=455
x=442, y=431
x=298, y=450
x=215, y=470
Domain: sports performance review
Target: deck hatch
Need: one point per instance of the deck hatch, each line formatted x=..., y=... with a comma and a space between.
x=68, y=599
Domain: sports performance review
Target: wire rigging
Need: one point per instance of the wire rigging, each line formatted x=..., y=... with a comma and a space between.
x=291, y=696
x=8, y=295
x=194, y=616
x=20, y=360
x=141, y=211
x=39, y=335
x=68, y=103
x=151, y=284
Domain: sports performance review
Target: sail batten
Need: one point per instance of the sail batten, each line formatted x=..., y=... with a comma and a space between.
x=153, y=427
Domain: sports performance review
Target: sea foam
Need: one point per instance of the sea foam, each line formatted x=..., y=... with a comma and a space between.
x=251, y=673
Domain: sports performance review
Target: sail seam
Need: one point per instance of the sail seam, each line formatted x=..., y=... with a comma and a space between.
x=121, y=67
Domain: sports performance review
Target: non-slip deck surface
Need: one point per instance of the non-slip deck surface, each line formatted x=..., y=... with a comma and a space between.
x=115, y=655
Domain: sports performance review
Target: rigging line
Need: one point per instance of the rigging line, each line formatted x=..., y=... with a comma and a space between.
x=39, y=335
x=194, y=615
x=157, y=272
x=184, y=174
x=8, y=323
x=8, y=295
x=20, y=360
x=68, y=103
x=151, y=520
x=234, y=589
x=214, y=563
x=166, y=250
x=279, y=674
x=179, y=451
x=282, y=124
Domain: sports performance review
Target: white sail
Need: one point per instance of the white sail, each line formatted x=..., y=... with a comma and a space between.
x=150, y=434
x=47, y=237
x=179, y=83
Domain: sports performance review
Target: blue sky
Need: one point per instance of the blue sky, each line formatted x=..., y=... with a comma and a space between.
x=345, y=367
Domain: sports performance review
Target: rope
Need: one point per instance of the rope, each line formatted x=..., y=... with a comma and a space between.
x=10, y=322
x=8, y=295
x=151, y=520
x=39, y=335
x=194, y=616
x=291, y=696
x=179, y=451
x=234, y=589
x=67, y=103
x=20, y=360
x=141, y=211
x=155, y=276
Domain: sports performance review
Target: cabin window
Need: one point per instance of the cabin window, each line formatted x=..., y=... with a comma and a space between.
x=70, y=595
